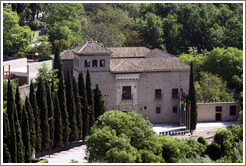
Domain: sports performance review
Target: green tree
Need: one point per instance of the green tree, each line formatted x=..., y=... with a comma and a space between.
x=122, y=137
x=71, y=109
x=99, y=102
x=90, y=98
x=20, y=145
x=26, y=134
x=211, y=88
x=77, y=100
x=6, y=139
x=43, y=50
x=50, y=113
x=36, y=113
x=58, y=123
x=42, y=104
x=192, y=97
x=18, y=102
x=84, y=103
x=6, y=154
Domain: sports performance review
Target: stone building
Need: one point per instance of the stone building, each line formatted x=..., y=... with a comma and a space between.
x=133, y=78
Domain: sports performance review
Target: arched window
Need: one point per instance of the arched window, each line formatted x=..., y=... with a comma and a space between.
x=102, y=63
x=94, y=63
x=87, y=63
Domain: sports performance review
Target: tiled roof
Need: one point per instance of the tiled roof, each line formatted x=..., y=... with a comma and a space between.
x=91, y=47
x=67, y=54
x=128, y=52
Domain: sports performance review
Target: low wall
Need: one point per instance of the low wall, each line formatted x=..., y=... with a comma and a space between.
x=207, y=111
x=15, y=64
x=24, y=91
x=32, y=69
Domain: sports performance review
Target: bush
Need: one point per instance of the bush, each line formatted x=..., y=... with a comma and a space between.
x=237, y=132
x=213, y=150
x=202, y=140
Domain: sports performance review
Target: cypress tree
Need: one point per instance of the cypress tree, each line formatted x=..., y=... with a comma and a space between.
x=11, y=110
x=71, y=109
x=20, y=145
x=50, y=113
x=36, y=113
x=18, y=104
x=99, y=102
x=6, y=154
x=42, y=104
x=63, y=108
x=31, y=120
x=84, y=103
x=58, y=63
x=78, y=109
x=90, y=98
x=192, y=96
x=26, y=133
x=58, y=123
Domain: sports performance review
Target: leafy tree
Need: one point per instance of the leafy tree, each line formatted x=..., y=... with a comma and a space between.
x=99, y=102
x=71, y=109
x=84, y=103
x=42, y=104
x=192, y=97
x=197, y=159
x=211, y=88
x=50, y=113
x=43, y=50
x=36, y=113
x=26, y=134
x=58, y=123
x=90, y=98
x=77, y=100
x=122, y=137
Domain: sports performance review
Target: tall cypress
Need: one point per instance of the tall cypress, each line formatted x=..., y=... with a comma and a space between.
x=6, y=154
x=192, y=96
x=50, y=113
x=6, y=139
x=84, y=103
x=42, y=104
x=18, y=104
x=36, y=113
x=90, y=98
x=71, y=109
x=26, y=133
x=20, y=145
x=78, y=109
x=11, y=110
x=63, y=107
x=99, y=105
x=58, y=63
x=31, y=121
x=58, y=123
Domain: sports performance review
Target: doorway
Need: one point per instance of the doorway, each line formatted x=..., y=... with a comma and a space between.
x=218, y=116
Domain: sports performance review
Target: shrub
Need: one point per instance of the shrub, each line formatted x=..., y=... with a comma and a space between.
x=196, y=159
x=202, y=140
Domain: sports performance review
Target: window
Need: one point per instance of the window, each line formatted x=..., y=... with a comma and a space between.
x=145, y=107
x=87, y=63
x=218, y=109
x=233, y=110
x=158, y=109
x=102, y=63
x=175, y=93
x=175, y=109
x=94, y=63
x=126, y=92
x=158, y=94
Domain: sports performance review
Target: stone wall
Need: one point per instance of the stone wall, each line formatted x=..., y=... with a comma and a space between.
x=207, y=111
x=24, y=91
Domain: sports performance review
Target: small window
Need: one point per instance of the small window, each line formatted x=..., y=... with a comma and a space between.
x=158, y=94
x=126, y=92
x=87, y=63
x=175, y=93
x=233, y=110
x=218, y=109
x=94, y=63
x=102, y=63
x=145, y=107
x=158, y=110
x=175, y=109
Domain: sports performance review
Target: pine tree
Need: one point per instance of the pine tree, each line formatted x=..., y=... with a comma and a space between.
x=11, y=110
x=78, y=109
x=18, y=104
x=99, y=102
x=58, y=123
x=192, y=96
x=26, y=133
x=90, y=98
x=42, y=104
x=36, y=113
x=6, y=154
x=63, y=108
x=71, y=109
x=31, y=121
x=50, y=113
x=84, y=103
